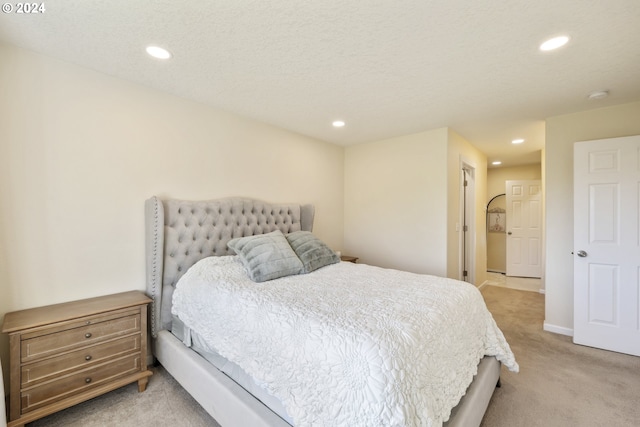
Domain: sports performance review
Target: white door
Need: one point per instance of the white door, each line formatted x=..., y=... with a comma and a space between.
x=606, y=235
x=524, y=228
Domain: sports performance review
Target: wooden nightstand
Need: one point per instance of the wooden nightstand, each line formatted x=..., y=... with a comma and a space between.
x=64, y=354
x=348, y=258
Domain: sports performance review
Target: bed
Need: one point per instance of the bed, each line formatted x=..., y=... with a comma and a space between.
x=187, y=236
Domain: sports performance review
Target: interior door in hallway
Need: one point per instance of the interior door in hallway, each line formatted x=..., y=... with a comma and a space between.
x=524, y=228
x=606, y=266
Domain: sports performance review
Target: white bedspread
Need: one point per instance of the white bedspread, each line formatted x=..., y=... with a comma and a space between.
x=349, y=344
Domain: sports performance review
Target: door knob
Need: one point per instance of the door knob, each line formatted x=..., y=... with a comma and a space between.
x=581, y=254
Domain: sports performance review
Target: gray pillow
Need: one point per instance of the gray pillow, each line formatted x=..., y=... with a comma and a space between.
x=266, y=256
x=313, y=252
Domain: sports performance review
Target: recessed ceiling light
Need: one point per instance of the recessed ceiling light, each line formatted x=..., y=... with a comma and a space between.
x=554, y=43
x=158, y=52
x=598, y=94
x=338, y=124
x=517, y=141
x=496, y=163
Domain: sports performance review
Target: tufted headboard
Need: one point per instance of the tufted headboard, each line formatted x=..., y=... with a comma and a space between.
x=179, y=233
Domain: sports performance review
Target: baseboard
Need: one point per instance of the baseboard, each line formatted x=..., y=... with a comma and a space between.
x=557, y=329
x=542, y=291
x=483, y=284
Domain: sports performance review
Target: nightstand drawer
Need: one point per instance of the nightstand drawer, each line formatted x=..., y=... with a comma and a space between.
x=66, y=340
x=64, y=387
x=38, y=372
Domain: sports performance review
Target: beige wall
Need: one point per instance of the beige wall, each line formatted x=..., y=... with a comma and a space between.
x=561, y=133
x=459, y=151
x=496, y=184
x=80, y=152
x=402, y=202
x=544, y=220
x=396, y=201
x=497, y=177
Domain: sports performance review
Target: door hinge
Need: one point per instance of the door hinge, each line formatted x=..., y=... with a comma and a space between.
x=465, y=228
x=464, y=273
x=465, y=182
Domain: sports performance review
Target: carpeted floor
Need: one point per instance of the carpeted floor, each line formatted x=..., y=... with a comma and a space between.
x=521, y=283
x=559, y=384
x=165, y=403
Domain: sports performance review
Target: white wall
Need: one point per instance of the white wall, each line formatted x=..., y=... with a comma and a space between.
x=561, y=133
x=396, y=202
x=80, y=152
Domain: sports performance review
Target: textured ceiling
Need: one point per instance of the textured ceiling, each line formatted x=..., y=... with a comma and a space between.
x=386, y=67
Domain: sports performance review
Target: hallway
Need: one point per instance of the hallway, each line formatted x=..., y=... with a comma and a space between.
x=520, y=283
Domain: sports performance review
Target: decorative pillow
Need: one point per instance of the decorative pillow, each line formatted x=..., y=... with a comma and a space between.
x=266, y=256
x=313, y=252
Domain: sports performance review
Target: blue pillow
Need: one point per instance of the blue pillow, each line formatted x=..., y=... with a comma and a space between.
x=266, y=256
x=313, y=252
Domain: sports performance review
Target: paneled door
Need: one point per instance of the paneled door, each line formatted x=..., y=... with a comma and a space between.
x=524, y=228
x=606, y=236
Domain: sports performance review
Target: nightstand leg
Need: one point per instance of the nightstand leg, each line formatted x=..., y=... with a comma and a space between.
x=142, y=384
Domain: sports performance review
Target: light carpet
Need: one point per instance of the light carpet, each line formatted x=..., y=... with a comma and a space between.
x=560, y=384
x=521, y=283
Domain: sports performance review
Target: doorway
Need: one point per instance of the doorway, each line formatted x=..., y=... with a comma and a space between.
x=496, y=234
x=467, y=222
x=497, y=222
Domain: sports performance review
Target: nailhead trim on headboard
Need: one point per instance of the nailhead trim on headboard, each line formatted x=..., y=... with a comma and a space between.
x=154, y=268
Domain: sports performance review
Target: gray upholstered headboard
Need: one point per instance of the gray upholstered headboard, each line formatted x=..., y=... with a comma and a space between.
x=179, y=233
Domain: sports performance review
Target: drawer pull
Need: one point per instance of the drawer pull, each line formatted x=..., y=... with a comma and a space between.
x=87, y=335
x=87, y=380
x=88, y=357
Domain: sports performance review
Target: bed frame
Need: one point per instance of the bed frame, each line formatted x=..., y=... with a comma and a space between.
x=180, y=233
